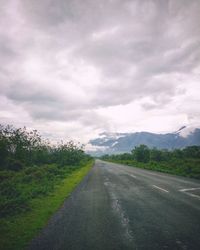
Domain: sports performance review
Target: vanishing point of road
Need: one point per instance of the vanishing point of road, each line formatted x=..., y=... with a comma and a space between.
x=118, y=207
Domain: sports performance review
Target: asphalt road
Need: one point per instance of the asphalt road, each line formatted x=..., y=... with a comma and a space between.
x=121, y=207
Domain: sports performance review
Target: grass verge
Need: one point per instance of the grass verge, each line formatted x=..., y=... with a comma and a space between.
x=16, y=231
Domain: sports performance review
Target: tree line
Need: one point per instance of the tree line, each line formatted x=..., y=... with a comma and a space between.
x=20, y=148
x=143, y=153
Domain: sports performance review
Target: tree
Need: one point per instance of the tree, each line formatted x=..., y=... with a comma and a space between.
x=192, y=152
x=141, y=153
x=156, y=154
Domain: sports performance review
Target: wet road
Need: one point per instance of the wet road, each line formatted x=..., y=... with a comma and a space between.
x=121, y=207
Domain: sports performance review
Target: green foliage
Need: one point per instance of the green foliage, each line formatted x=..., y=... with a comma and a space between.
x=156, y=155
x=192, y=152
x=31, y=167
x=141, y=153
x=20, y=148
x=14, y=165
x=18, y=229
x=68, y=154
x=185, y=162
x=35, y=178
x=18, y=188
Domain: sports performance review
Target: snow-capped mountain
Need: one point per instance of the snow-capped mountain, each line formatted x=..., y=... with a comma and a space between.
x=113, y=143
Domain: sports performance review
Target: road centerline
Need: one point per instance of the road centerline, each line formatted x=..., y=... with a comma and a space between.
x=162, y=189
x=189, y=189
x=133, y=176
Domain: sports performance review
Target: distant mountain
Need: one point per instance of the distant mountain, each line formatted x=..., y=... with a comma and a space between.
x=114, y=143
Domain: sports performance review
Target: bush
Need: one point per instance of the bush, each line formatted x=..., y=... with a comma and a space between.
x=15, y=165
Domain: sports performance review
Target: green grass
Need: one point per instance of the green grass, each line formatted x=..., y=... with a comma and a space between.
x=18, y=188
x=182, y=167
x=18, y=229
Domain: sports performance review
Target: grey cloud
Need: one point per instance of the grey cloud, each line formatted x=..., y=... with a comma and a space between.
x=6, y=51
x=145, y=51
x=137, y=47
x=185, y=58
x=44, y=104
x=26, y=94
x=149, y=105
x=52, y=113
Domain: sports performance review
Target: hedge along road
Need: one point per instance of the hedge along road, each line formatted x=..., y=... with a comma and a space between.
x=120, y=207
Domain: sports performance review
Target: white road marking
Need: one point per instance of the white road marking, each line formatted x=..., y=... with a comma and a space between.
x=161, y=188
x=193, y=195
x=189, y=189
x=133, y=176
x=185, y=190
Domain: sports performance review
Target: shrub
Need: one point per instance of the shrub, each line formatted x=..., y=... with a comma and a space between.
x=15, y=165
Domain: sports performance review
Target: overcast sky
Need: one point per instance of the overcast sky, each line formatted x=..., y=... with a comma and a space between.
x=74, y=68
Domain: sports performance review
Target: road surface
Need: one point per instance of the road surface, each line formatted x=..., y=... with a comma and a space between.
x=121, y=207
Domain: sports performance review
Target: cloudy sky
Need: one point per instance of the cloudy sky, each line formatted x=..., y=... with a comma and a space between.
x=74, y=68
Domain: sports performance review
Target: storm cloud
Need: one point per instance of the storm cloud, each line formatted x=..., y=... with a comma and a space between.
x=76, y=68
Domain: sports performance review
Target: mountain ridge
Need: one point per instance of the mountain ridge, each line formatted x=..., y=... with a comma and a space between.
x=115, y=143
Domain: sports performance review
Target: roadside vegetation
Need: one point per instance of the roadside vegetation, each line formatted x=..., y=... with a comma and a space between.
x=185, y=162
x=35, y=178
